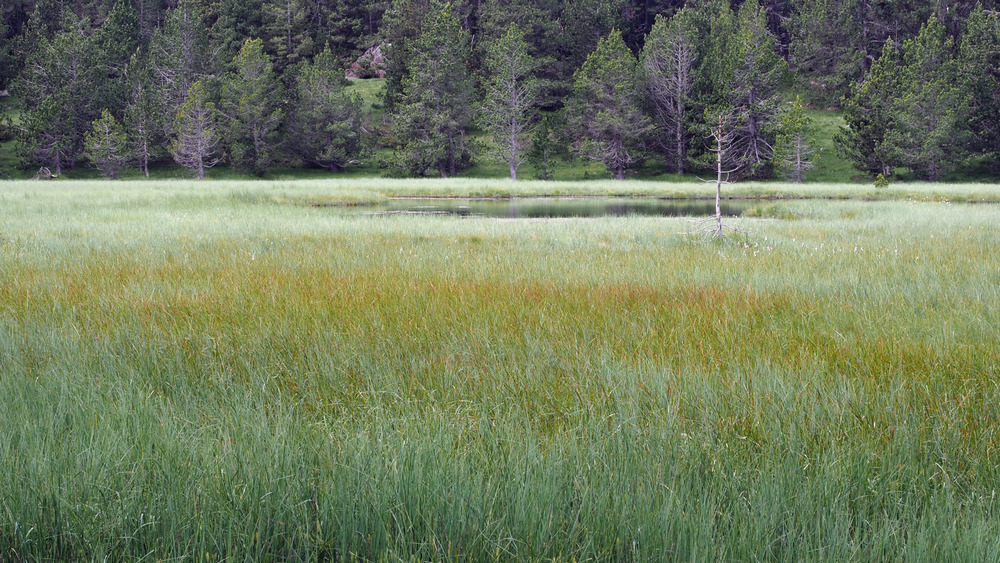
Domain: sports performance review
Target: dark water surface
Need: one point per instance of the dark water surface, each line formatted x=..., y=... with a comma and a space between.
x=547, y=208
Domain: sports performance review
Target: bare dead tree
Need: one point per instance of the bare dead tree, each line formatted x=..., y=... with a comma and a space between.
x=723, y=135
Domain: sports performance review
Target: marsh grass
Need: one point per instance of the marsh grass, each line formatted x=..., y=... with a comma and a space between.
x=222, y=372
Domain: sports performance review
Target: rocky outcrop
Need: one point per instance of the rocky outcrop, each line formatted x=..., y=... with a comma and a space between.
x=369, y=65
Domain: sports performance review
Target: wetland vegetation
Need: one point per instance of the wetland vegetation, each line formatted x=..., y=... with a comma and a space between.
x=230, y=370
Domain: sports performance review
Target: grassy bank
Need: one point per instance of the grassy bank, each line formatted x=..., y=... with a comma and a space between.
x=222, y=370
x=365, y=191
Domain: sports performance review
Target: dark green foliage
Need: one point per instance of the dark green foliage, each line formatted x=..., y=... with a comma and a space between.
x=326, y=122
x=508, y=108
x=909, y=113
x=743, y=72
x=402, y=27
x=927, y=134
x=979, y=72
x=793, y=150
x=639, y=16
x=605, y=111
x=251, y=105
x=560, y=36
x=179, y=56
x=107, y=145
x=196, y=139
x=60, y=90
x=869, y=115
x=143, y=119
x=732, y=56
x=10, y=59
x=296, y=30
x=116, y=41
x=825, y=51
x=118, y=37
x=547, y=146
x=238, y=20
x=288, y=40
x=436, y=104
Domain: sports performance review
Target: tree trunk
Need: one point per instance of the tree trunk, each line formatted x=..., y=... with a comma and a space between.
x=718, y=181
x=679, y=134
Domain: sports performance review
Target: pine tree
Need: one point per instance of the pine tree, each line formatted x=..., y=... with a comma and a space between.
x=196, y=141
x=325, y=126
x=60, y=89
x=402, y=26
x=669, y=61
x=510, y=98
x=178, y=58
x=605, y=109
x=252, y=105
x=927, y=134
x=546, y=147
x=824, y=50
x=107, y=145
x=345, y=29
x=868, y=115
x=754, y=74
x=793, y=152
x=10, y=60
x=143, y=120
x=237, y=21
x=979, y=64
x=436, y=106
x=116, y=41
x=286, y=24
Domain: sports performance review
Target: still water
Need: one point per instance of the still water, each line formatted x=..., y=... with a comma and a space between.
x=549, y=208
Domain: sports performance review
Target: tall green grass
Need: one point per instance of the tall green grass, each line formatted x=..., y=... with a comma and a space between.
x=226, y=371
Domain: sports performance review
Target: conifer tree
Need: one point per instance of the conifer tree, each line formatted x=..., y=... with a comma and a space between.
x=436, y=106
x=286, y=24
x=546, y=147
x=325, y=125
x=402, y=26
x=178, y=58
x=143, y=120
x=107, y=145
x=793, y=151
x=669, y=61
x=196, y=141
x=115, y=42
x=751, y=82
x=979, y=64
x=10, y=61
x=927, y=135
x=825, y=50
x=237, y=21
x=252, y=106
x=510, y=98
x=869, y=115
x=61, y=90
x=605, y=110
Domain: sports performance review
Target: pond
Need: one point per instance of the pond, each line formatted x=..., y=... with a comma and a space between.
x=551, y=208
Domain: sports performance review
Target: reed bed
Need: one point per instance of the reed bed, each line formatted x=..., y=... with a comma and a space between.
x=193, y=371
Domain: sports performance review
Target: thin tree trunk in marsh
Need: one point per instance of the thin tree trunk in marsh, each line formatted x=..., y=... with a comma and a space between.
x=718, y=181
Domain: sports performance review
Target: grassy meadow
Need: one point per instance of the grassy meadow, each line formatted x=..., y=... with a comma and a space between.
x=255, y=371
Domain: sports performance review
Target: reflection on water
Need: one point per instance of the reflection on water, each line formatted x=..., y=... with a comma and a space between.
x=548, y=208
